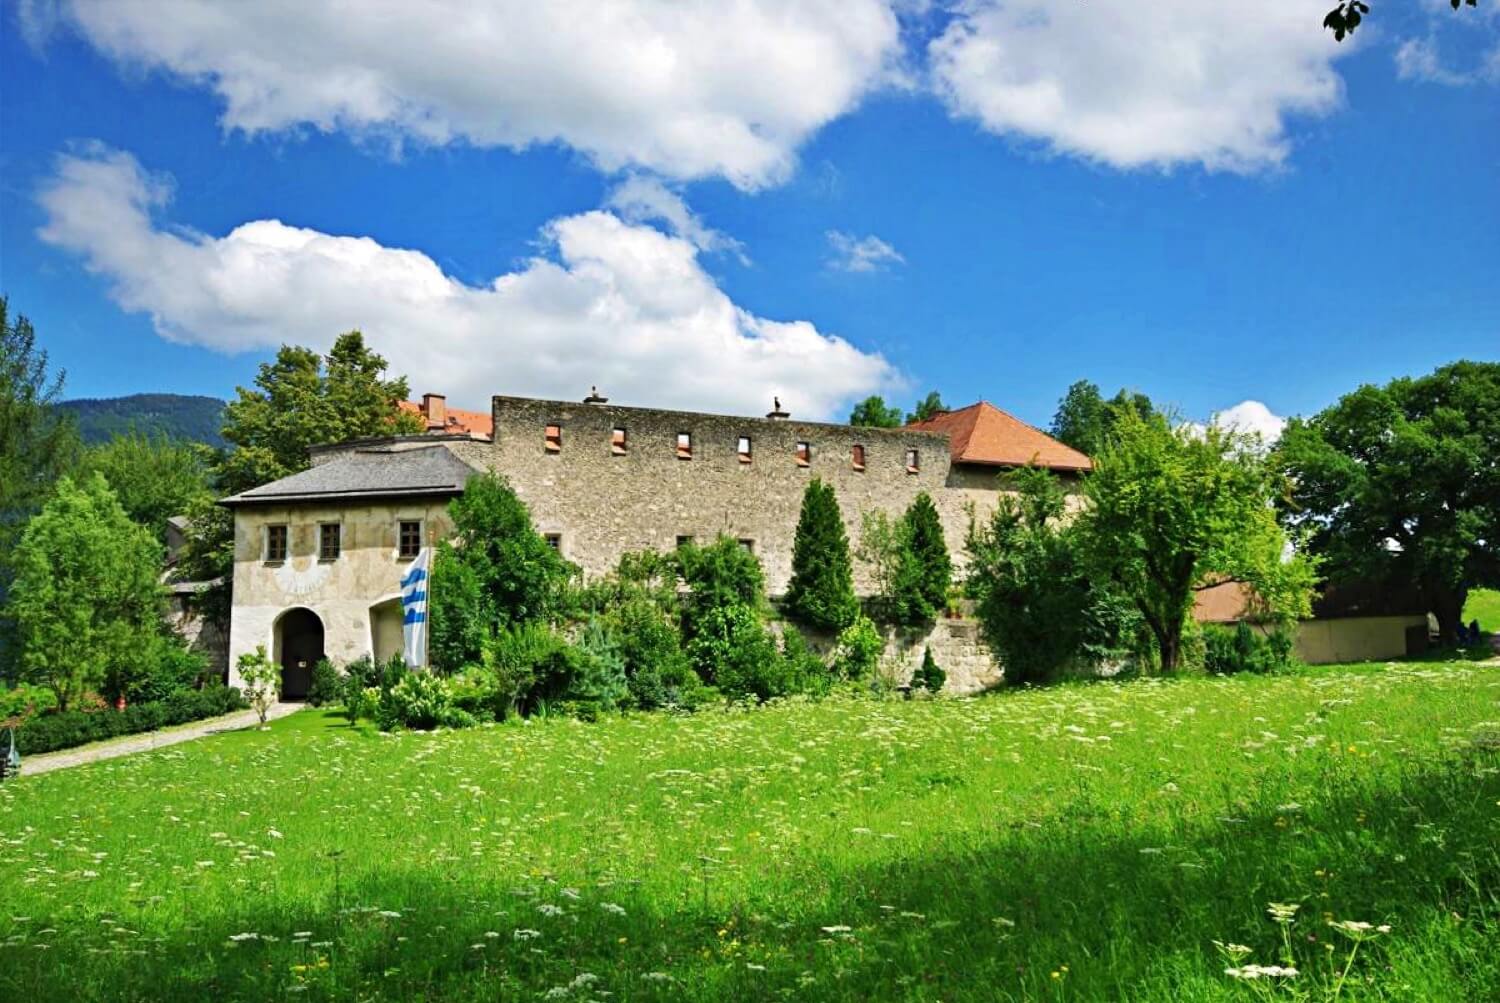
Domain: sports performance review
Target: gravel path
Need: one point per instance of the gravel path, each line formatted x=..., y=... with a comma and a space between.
x=128, y=744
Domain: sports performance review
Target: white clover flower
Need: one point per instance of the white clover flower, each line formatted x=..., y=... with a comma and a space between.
x=838, y=928
x=610, y=907
x=390, y=914
x=524, y=934
x=548, y=909
x=274, y=834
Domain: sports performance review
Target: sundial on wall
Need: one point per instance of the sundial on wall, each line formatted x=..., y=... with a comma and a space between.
x=302, y=576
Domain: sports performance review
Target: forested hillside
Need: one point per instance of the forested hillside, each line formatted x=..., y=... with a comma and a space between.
x=177, y=416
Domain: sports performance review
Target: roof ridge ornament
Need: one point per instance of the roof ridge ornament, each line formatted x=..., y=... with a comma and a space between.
x=776, y=414
x=594, y=398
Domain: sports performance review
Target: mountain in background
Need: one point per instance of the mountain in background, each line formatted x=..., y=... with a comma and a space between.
x=176, y=416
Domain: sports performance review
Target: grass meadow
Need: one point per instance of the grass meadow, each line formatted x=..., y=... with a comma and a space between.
x=1088, y=841
x=1484, y=606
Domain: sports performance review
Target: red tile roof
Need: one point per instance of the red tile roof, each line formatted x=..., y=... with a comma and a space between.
x=982, y=433
x=458, y=422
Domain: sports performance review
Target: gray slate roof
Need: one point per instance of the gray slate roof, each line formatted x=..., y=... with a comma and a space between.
x=367, y=473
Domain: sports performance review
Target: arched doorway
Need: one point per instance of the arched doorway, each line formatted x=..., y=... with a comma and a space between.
x=299, y=646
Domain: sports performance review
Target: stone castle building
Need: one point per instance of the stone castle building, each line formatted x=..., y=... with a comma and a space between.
x=318, y=555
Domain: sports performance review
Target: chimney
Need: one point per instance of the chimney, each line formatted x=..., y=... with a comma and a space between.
x=435, y=408
x=776, y=414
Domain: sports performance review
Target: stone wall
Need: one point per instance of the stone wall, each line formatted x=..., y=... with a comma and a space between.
x=602, y=502
x=956, y=646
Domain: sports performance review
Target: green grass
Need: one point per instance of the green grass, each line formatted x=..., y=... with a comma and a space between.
x=844, y=850
x=1484, y=606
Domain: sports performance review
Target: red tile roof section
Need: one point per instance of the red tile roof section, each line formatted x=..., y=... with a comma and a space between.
x=459, y=422
x=983, y=434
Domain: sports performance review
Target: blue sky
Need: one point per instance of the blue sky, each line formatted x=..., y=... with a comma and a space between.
x=993, y=200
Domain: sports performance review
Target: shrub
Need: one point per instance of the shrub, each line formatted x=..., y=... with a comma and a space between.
x=161, y=666
x=910, y=562
x=65, y=729
x=359, y=700
x=1245, y=649
x=929, y=676
x=326, y=687
x=735, y=652
x=1039, y=610
x=858, y=650
x=262, y=681
x=26, y=701
x=657, y=671
x=419, y=700
x=531, y=663
x=599, y=668
x=721, y=574
x=805, y=670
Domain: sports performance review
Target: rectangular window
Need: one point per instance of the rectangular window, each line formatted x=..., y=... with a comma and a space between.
x=748, y=544
x=684, y=540
x=330, y=541
x=617, y=442
x=275, y=544
x=913, y=463
x=804, y=454
x=684, y=445
x=554, y=438
x=743, y=448
x=409, y=538
x=554, y=540
x=858, y=456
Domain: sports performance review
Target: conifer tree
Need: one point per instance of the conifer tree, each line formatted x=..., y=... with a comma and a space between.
x=821, y=593
x=928, y=568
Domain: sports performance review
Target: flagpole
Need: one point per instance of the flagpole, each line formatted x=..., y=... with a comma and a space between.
x=427, y=624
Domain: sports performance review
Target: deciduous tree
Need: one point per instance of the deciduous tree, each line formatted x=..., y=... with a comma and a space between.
x=153, y=477
x=873, y=412
x=1085, y=419
x=85, y=597
x=1172, y=508
x=1401, y=484
x=927, y=407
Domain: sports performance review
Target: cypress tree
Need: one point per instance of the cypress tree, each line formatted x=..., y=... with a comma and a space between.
x=821, y=593
x=925, y=569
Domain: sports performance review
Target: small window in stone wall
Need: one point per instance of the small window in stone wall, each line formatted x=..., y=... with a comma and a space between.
x=554, y=438
x=913, y=461
x=554, y=540
x=857, y=456
x=743, y=448
x=684, y=445
x=330, y=541
x=684, y=540
x=275, y=544
x=748, y=544
x=408, y=538
x=804, y=454
x=617, y=442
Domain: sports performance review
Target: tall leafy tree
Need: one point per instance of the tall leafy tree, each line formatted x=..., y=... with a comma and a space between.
x=821, y=592
x=1401, y=484
x=1085, y=419
x=85, y=597
x=927, y=407
x=154, y=478
x=873, y=412
x=37, y=444
x=1174, y=508
x=303, y=399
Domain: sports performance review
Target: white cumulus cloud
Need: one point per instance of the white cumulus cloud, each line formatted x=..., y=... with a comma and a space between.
x=643, y=199
x=1133, y=84
x=686, y=89
x=1252, y=417
x=618, y=304
x=861, y=254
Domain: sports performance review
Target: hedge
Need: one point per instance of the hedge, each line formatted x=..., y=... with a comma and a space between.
x=49, y=732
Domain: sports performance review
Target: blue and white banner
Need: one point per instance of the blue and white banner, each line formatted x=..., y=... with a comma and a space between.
x=414, y=609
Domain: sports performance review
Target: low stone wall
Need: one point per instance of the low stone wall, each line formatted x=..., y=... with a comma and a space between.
x=956, y=646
